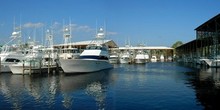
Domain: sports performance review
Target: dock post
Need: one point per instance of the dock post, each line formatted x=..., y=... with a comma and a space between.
x=57, y=66
x=48, y=65
x=40, y=66
x=23, y=67
x=30, y=68
x=0, y=65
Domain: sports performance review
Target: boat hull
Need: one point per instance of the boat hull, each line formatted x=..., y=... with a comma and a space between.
x=84, y=65
x=140, y=61
x=113, y=61
x=124, y=60
x=5, y=69
x=20, y=70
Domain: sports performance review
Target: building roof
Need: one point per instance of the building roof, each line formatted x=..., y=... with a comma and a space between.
x=210, y=25
x=110, y=43
x=147, y=48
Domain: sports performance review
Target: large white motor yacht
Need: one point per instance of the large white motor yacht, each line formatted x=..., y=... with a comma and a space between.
x=94, y=58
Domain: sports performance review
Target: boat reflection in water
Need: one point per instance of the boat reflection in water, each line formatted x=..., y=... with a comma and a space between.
x=93, y=84
x=21, y=92
x=43, y=92
x=207, y=86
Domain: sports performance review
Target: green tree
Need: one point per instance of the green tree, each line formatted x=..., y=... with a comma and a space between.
x=177, y=44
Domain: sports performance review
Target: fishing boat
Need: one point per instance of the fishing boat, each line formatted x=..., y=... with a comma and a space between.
x=125, y=58
x=68, y=52
x=153, y=58
x=94, y=58
x=9, y=58
x=114, y=58
x=11, y=53
x=31, y=63
x=140, y=58
x=162, y=58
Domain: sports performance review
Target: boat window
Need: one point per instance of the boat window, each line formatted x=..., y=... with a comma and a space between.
x=12, y=60
x=94, y=57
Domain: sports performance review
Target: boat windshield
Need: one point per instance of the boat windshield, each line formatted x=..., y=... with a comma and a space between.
x=93, y=47
x=94, y=57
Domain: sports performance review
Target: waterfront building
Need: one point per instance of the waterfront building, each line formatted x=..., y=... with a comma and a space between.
x=205, y=48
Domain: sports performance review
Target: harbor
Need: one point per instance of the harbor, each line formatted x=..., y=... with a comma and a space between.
x=32, y=58
x=109, y=55
x=155, y=85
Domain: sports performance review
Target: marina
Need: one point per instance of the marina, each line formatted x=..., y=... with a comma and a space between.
x=155, y=85
x=50, y=62
x=29, y=58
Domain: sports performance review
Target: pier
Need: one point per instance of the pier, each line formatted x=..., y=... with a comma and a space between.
x=205, y=49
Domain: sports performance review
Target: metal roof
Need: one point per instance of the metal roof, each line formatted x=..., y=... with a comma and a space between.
x=110, y=43
x=211, y=25
x=147, y=48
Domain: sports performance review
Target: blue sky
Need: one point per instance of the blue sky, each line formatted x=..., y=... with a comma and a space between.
x=152, y=22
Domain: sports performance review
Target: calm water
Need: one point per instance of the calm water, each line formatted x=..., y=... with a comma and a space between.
x=154, y=86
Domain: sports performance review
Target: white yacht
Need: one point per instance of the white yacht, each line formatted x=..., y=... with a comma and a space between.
x=68, y=52
x=162, y=58
x=50, y=54
x=32, y=61
x=114, y=58
x=140, y=58
x=94, y=58
x=9, y=58
x=49, y=57
x=11, y=54
x=125, y=57
x=153, y=58
x=146, y=57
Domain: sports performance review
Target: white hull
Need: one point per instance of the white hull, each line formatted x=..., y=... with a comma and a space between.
x=211, y=62
x=140, y=61
x=153, y=59
x=5, y=69
x=83, y=65
x=113, y=61
x=123, y=61
x=5, y=66
x=19, y=70
x=27, y=68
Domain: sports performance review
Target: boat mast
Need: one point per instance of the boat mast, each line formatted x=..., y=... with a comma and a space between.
x=49, y=38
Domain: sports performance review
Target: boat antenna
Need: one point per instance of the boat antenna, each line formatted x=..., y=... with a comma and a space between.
x=105, y=29
x=96, y=27
x=70, y=28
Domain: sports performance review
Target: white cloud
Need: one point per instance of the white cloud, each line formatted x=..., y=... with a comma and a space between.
x=56, y=25
x=83, y=28
x=33, y=25
x=111, y=33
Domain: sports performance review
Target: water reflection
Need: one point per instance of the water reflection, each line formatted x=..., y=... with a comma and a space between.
x=206, y=83
x=22, y=91
x=43, y=92
x=94, y=85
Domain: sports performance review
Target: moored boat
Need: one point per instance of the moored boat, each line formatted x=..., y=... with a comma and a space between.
x=140, y=58
x=153, y=58
x=94, y=58
x=125, y=58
